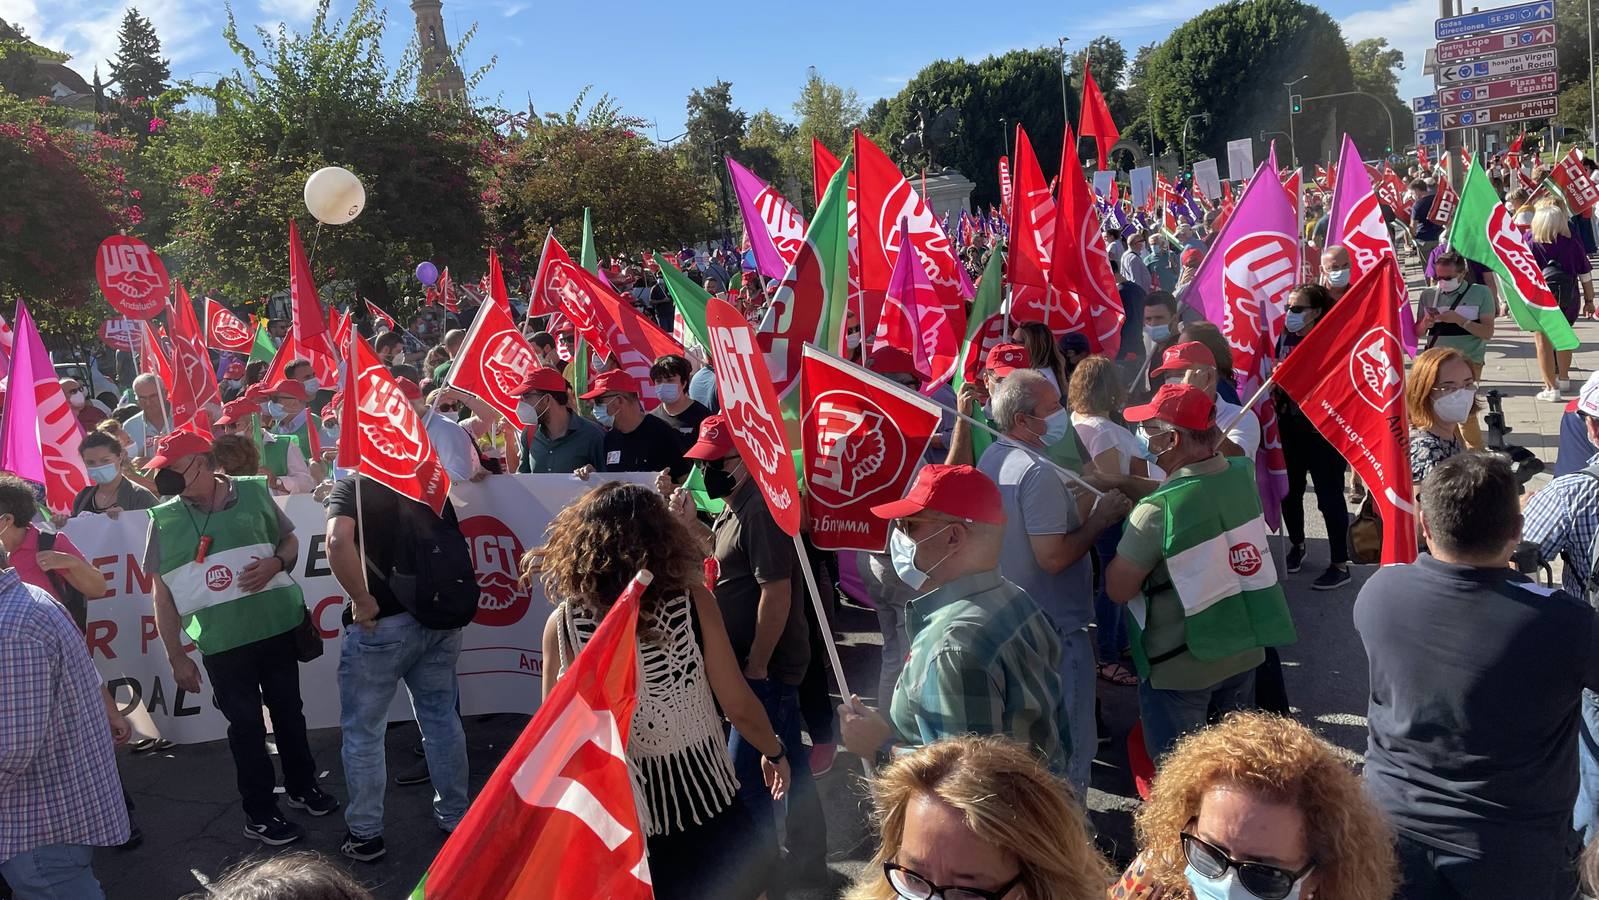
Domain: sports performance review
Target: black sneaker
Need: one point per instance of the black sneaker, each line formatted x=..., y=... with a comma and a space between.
x=368, y=850
x=417, y=773
x=274, y=832
x=1296, y=557
x=316, y=801
x=1334, y=577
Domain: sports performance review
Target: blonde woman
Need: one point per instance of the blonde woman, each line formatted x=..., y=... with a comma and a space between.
x=1565, y=268
x=978, y=818
x=1259, y=806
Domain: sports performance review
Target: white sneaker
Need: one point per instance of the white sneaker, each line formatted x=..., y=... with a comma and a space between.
x=1550, y=394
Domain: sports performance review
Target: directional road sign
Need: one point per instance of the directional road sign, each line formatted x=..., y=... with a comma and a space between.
x=1496, y=19
x=1426, y=120
x=1490, y=44
x=1534, y=108
x=1426, y=103
x=1508, y=89
x=1429, y=137
x=1498, y=67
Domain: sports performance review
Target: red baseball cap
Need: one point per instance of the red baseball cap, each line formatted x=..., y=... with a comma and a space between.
x=408, y=388
x=177, y=445
x=960, y=491
x=288, y=387
x=237, y=411
x=892, y=361
x=615, y=381
x=1007, y=358
x=234, y=371
x=542, y=378
x=716, y=440
x=1180, y=357
x=1182, y=405
x=1192, y=256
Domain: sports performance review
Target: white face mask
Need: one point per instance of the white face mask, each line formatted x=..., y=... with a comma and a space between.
x=1448, y=285
x=1227, y=887
x=77, y=399
x=1455, y=406
x=902, y=550
x=1337, y=278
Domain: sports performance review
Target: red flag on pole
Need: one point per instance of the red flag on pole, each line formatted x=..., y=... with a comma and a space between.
x=1095, y=121
x=39, y=435
x=307, y=324
x=226, y=331
x=194, y=384
x=1032, y=239
x=496, y=278
x=378, y=313
x=382, y=437
x=823, y=165
x=492, y=360
x=1348, y=377
x=1080, y=270
x=864, y=439
x=749, y=401
x=153, y=355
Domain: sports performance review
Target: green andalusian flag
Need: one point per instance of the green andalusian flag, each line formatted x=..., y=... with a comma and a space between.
x=690, y=300
x=987, y=309
x=589, y=260
x=263, y=349
x=1484, y=231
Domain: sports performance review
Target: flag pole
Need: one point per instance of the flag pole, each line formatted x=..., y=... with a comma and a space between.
x=352, y=379
x=1244, y=410
x=826, y=627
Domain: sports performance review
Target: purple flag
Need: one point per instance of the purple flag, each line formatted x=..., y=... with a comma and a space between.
x=20, y=451
x=776, y=229
x=1355, y=221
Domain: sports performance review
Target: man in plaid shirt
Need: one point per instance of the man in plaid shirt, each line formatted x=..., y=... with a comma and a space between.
x=984, y=658
x=60, y=795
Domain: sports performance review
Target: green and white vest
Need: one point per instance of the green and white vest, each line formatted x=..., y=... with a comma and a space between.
x=217, y=615
x=275, y=452
x=1216, y=555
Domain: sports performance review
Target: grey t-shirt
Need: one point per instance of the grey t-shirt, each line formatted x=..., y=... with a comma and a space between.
x=1037, y=503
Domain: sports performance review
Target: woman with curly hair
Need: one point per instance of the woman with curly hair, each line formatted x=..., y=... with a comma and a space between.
x=978, y=818
x=702, y=842
x=1259, y=807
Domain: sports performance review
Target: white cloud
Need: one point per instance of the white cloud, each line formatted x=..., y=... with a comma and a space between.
x=1408, y=27
x=511, y=10
x=88, y=30
x=287, y=10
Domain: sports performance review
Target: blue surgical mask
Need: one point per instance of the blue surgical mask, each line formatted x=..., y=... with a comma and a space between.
x=603, y=416
x=1157, y=333
x=1337, y=278
x=1056, y=424
x=312, y=385
x=1227, y=887
x=1294, y=321
x=902, y=551
x=104, y=474
x=275, y=409
x=669, y=393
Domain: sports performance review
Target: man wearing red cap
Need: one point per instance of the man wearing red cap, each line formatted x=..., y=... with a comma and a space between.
x=557, y=439
x=283, y=459
x=967, y=444
x=634, y=440
x=219, y=552
x=755, y=590
x=1194, y=569
x=984, y=658
x=1047, y=542
x=1192, y=363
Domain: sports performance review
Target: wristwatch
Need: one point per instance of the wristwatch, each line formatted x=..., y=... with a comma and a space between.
x=884, y=754
x=782, y=751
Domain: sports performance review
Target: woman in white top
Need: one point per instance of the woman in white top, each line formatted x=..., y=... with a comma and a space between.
x=702, y=842
x=1043, y=352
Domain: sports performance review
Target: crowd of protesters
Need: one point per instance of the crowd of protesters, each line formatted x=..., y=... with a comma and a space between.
x=1009, y=598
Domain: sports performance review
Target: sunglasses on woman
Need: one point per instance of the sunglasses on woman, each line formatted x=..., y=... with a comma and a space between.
x=913, y=886
x=1265, y=882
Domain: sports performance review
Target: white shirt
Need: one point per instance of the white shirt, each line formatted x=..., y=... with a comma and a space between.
x=1100, y=434
x=455, y=447
x=144, y=435
x=1246, y=432
x=298, y=479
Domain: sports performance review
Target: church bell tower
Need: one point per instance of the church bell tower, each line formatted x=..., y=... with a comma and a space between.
x=437, y=63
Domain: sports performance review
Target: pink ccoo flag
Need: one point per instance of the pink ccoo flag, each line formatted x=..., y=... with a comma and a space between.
x=914, y=319
x=775, y=228
x=1355, y=221
x=40, y=435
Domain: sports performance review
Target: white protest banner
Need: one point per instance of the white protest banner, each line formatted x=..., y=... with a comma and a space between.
x=1102, y=183
x=501, y=656
x=1143, y=184
x=1206, y=176
x=1240, y=159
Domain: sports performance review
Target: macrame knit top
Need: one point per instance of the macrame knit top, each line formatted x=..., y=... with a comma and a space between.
x=677, y=752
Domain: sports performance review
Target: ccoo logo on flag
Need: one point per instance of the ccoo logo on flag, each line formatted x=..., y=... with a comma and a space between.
x=858, y=451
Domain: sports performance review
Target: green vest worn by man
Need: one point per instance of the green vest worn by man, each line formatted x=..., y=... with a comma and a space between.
x=217, y=615
x=1214, y=549
x=275, y=452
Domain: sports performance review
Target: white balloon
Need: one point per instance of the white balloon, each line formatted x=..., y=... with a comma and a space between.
x=334, y=195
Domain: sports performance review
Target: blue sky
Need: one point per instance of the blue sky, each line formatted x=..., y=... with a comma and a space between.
x=650, y=55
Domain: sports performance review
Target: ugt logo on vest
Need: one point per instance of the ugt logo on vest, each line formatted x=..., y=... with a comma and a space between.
x=218, y=578
x=1244, y=558
x=1374, y=368
x=856, y=456
x=495, y=551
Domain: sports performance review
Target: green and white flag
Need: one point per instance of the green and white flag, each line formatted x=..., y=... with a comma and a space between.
x=690, y=300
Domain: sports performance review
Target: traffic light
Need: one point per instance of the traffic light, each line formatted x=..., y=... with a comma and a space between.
x=1296, y=103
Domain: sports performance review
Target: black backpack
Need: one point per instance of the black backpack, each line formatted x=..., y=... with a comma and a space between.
x=72, y=598
x=432, y=576
x=1562, y=284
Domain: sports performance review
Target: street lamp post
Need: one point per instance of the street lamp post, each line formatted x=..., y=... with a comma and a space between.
x=1182, y=158
x=1293, y=147
x=1065, y=110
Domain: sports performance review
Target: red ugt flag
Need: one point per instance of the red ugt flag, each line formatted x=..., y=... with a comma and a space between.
x=493, y=358
x=558, y=819
x=744, y=386
x=1348, y=377
x=382, y=437
x=226, y=331
x=194, y=383
x=378, y=313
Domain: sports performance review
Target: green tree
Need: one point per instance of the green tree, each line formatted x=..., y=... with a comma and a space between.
x=827, y=112
x=19, y=69
x=1375, y=67
x=303, y=101
x=139, y=70
x=715, y=130
x=772, y=151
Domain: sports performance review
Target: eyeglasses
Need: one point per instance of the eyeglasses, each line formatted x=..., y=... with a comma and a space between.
x=912, y=886
x=1265, y=882
x=1451, y=387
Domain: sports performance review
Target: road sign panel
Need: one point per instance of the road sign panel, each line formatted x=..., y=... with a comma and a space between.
x=1490, y=44
x=1497, y=67
x=1427, y=103
x=1427, y=120
x=1429, y=137
x=1533, y=108
x=1488, y=91
x=1495, y=19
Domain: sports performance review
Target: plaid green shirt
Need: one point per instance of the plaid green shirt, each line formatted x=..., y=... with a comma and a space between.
x=984, y=659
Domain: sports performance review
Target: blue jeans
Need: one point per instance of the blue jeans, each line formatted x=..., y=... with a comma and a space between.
x=1077, y=687
x=1168, y=715
x=371, y=665
x=53, y=872
x=1585, y=818
x=1110, y=628
x=805, y=829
